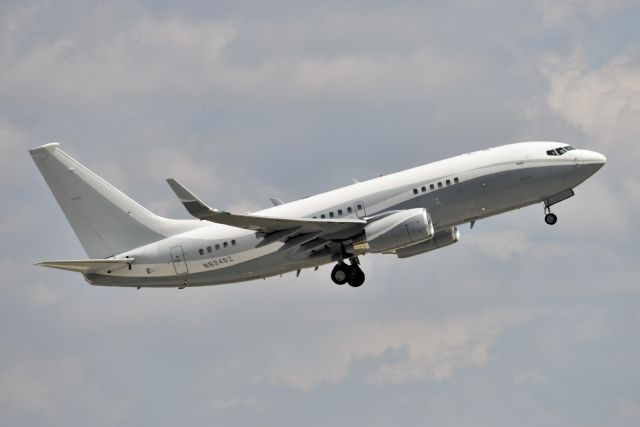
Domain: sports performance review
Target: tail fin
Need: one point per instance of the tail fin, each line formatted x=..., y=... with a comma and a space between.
x=106, y=221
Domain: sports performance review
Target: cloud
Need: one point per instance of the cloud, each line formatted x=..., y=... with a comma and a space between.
x=501, y=244
x=153, y=54
x=12, y=147
x=20, y=390
x=241, y=404
x=47, y=389
x=376, y=76
x=629, y=408
x=614, y=210
x=16, y=212
x=603, y=102
x=632, y=190
x=191, y=58
x=557, y=13
x=420, y=350
x=36, y=387
x=534, y=378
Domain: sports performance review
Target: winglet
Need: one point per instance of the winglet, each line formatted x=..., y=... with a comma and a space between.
x=194, y=205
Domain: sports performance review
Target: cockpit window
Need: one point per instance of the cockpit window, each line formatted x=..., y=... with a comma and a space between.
x=560, y=151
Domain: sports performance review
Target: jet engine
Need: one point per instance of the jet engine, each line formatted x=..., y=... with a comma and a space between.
x=394, y=231
x=441, y=239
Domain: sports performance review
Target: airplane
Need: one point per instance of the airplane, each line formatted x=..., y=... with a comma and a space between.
x=403, y=214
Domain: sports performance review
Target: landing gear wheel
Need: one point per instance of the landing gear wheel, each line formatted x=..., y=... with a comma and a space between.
x=550, y=218
x=340, y=273
x=356, y=276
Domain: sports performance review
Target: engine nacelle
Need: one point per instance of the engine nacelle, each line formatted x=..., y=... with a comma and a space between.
x=441, y=239
x=397, y=230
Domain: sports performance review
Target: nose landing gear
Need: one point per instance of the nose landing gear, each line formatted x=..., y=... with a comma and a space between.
x=352, y=274
x=550, y=218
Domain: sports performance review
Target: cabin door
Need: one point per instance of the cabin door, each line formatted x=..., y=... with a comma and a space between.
x=177, y=256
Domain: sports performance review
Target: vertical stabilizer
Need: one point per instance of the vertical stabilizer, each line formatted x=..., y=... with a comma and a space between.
x=106, y=221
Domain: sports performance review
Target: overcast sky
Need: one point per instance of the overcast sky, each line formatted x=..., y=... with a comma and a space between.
x=518, y=324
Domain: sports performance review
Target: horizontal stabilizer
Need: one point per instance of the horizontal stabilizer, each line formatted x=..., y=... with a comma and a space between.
x=88, y=265
x=332, y=227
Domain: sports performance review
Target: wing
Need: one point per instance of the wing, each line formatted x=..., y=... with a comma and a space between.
x=88, y=265
x=325, y=228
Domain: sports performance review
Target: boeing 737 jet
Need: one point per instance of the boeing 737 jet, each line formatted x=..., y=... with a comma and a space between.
x=403, y=214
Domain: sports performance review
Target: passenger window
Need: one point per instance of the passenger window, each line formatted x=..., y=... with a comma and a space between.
x=424, y=189
x=448, y=182
x=415, y=191
x=349, y=210
x=201, y=252
x=340, y=212
x=225, y=244
x=322, y=216
x=456, y=180
x=433, y=187
x=209, y=249
x=440, y=184
x=359, y=206
x=331, y=215
x=217, y=246
x=233, y=242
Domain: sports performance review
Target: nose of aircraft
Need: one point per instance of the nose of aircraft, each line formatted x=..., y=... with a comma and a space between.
x=591, y=157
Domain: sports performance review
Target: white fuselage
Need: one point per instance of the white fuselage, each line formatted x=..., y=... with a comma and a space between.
x=454, y=191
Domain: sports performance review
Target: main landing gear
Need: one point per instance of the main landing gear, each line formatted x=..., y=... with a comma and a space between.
x=352, y=274
x=550, y=218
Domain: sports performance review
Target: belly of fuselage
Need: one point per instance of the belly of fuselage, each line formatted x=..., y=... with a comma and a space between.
x=488, y=195
x=271, y=264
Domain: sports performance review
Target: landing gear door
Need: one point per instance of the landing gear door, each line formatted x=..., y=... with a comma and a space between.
x=177, y=256
x=360, y=209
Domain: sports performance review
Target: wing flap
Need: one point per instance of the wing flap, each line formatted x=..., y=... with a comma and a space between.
x=88, y=265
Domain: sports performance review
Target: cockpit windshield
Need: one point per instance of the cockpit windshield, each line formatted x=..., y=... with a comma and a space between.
x=560, y=150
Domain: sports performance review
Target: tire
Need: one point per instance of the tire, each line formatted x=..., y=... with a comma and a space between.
x=550, y=218
x=356, y=277
x=340, y=274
